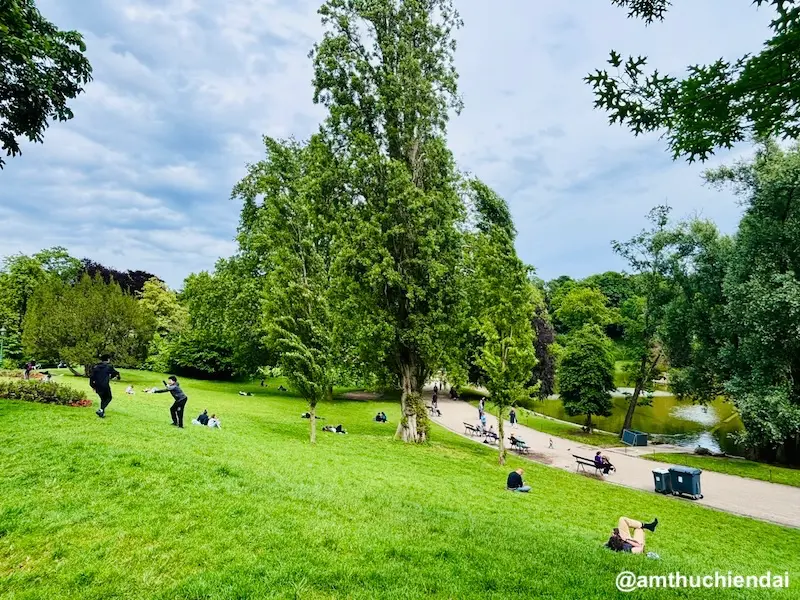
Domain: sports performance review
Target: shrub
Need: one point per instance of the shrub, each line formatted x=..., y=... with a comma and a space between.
x=40, y=391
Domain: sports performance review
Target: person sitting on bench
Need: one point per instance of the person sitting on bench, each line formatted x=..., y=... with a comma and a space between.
x=602, y=462
x=622, y=540
x=515, y=483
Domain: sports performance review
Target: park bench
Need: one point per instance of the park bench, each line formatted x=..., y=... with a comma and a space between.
x=471, y=429
x=491, y=437
x=581, y=463
x=519, y=445
x=433, y=411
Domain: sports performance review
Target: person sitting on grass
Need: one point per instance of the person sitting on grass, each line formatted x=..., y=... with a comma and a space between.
x=214, y=422
x=129, y=390
x=307, y=415
x=515, y=483
x=602, y=462
x=622, y=540
x=282, y=389
x=202, y=418
x=381, y=417
x=245, y=394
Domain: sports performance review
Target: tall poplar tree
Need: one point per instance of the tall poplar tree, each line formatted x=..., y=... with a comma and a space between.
x=384, y=70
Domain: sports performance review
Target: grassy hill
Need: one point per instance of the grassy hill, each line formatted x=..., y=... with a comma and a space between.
x=130, y=507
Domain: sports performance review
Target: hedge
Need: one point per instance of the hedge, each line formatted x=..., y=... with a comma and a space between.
x=45, y=392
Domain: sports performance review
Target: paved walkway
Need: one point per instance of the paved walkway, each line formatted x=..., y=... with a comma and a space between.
x=748, y=497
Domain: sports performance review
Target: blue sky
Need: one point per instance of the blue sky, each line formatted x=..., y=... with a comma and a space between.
x=183, y=90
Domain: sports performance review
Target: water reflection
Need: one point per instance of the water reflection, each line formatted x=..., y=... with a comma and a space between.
x=669, y=420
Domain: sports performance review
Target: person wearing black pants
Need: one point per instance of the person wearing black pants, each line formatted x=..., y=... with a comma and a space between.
x=100, y=380
x=179, y=404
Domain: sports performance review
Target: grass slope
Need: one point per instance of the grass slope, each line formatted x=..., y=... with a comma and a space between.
x=732, y=466
x=129, y=507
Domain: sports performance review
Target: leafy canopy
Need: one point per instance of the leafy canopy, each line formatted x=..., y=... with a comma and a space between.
x=41, y=68
x=715, y=105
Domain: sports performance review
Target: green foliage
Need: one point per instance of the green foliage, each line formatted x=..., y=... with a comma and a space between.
x=79, y=323
x=41, y=68
x=584, y=306
x=44, y=392
x=586, y=373
x=715, y=105
x=739, y=306
x=225, y=312
x=297, y=221
x=20, y=275
x=384, y=71
x=171, y=318
x=650, y=256
x=502, y=304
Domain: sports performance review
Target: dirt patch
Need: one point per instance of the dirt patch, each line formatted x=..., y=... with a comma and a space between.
x=362, y=395
x=540, y=458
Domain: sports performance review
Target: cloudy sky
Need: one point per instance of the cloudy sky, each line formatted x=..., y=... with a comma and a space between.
x=183, y=90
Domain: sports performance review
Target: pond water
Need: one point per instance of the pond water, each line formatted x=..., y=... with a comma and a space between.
x=668, y=420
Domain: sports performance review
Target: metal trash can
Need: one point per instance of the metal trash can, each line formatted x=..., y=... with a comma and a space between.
x=663, y=481
x=632, y=437
x=685, y=481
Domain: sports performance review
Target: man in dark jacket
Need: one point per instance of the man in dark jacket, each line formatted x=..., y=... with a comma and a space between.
x=176, y=410
x=100, y=380
x=515, y=483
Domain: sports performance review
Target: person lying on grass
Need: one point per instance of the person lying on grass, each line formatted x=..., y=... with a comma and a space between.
x=515, y=483
x=622, y=540
x=307, y=415
x=332, y=429
x=245, y=394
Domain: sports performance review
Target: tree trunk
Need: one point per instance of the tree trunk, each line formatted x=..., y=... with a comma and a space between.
x=74, y=372
x=500, y=445
x=407, y=427
x=87, y=370
x=313, y=419
x=589, y=425
x=634, y=400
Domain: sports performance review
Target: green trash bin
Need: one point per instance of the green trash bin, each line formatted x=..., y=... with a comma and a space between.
x=685, y=482
x=663, y=481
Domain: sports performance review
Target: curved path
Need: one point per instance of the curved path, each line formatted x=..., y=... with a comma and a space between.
x=748, y=497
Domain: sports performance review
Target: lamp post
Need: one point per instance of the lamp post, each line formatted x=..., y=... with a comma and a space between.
x=2, y=344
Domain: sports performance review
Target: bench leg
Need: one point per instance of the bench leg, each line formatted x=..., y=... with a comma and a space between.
x=579, y=467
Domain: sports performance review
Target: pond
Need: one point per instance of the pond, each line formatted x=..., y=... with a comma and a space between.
x=669, y=420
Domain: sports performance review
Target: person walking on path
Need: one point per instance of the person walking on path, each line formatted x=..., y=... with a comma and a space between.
x=100, y=381
x=515, y=483
x=512, y=416
x=179, y=404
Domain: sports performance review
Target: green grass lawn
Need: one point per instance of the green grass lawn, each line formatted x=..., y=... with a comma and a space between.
x=732, y=466
x=130, y=507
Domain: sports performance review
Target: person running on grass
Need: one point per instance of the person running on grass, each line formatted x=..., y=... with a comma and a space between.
x=515, y=483
x=100, y=382
x=176, y=410
x=628, y=535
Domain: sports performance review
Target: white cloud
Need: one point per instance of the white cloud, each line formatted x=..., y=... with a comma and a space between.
x=183, y=90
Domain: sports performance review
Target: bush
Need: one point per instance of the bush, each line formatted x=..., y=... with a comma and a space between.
x=46, y=393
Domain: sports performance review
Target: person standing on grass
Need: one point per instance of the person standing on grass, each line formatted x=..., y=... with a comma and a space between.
x=515, y=483
x=176, y=410
x=100, y=381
